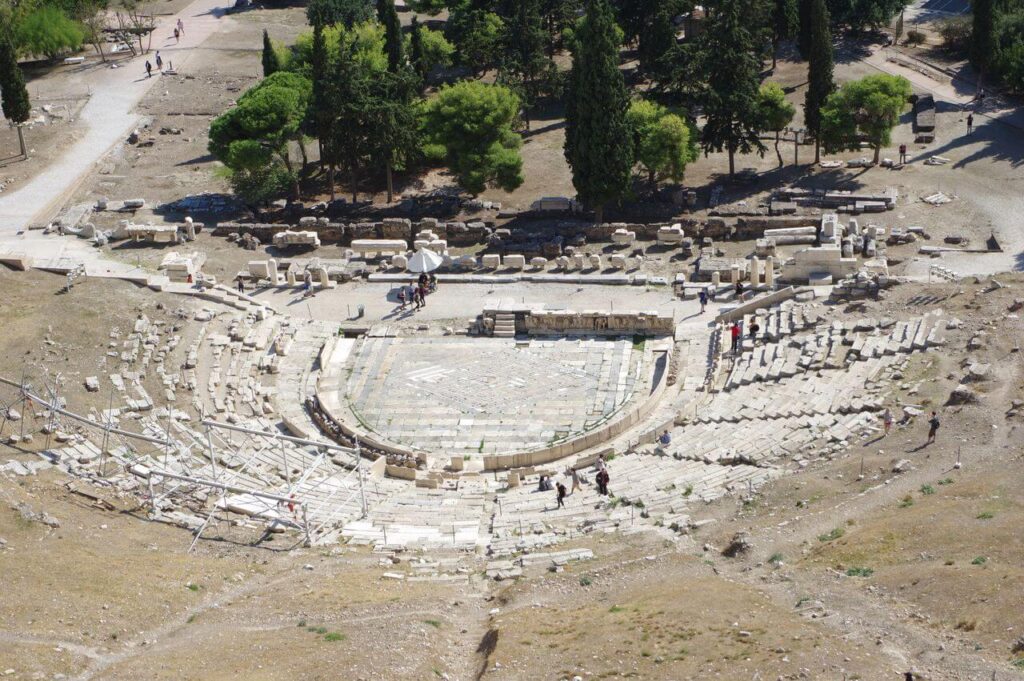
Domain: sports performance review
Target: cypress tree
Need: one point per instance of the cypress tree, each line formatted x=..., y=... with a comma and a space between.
x=785, y=24
x=392, y=34
x=729, y=53
x=16, y=105
x=803, y=36
x=819, y=72
x=524, y=59
x=598, y=143
x=657, y=38
x=982, y=44
x=271, y=62
x=320, y=115
x=416, y=56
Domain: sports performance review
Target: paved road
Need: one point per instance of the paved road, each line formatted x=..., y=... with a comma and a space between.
x=109, y=117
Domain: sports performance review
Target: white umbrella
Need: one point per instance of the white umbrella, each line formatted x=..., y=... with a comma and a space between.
x=425, y=260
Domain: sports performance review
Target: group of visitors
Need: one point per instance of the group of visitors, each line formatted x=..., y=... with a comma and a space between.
x=415, y=293
x=546, y=484
x=736, y=333
x=179, y=30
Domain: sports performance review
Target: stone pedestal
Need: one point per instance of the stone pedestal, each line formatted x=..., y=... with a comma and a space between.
x=769, y=271
x=716, y=279
x=290, y=277
x=755, y=271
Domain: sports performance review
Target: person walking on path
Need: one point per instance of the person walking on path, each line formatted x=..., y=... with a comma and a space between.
x=970, y=124
x=241, y=285
x=703, y=298
x=401, y=297
x=575, y=475
x=933, y=427
x=903, y=154
x=887, y=420
x=177, y=36
x=149, y=69
x=423, y=295
x=735, y=330
x=181, y=26
x=159, y=62
x=739, y=291
x=561, y=495
x=602, y=482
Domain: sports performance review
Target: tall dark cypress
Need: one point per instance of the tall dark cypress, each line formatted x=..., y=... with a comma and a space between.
x=388, y=16
x=598, y=144
x=416, y=56
x=819, y=72
x=524, y=60
x=14, y=95
x=785, y=24
x=656, y=40
x=982, y=38
x=320, y=116
x=271, y=62
x=803, y=36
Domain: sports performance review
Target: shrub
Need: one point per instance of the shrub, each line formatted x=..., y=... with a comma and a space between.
x=833, y=535
x=859, y=572
x=979, y=560
x=927, y=489
x=48, y=31
x=915, y=37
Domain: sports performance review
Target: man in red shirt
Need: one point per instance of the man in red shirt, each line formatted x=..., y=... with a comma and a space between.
x=735, y=337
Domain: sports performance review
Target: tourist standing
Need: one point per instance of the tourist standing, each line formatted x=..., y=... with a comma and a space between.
x=149, y=69
x=933, y=427
x=602, y=482
x=887, y=419
x=561, y=495
x=181, y=26
x=703, y=298
x=177, y=36
x=575, y=475
x=735, y=330
x=241, y=285
x=159, y=62
x=739, y=291
x=423, y=295
x=970, y=124
x=754, y=329
x=401, y=297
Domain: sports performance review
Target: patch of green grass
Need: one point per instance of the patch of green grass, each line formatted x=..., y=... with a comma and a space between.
x=615, y=608
x=191, y=619
x=334, y=636
x=979, y=560
x=907, y=502
x=836, y=533
x=946, y=481
x=586, y=580
x=302, y=624
x=859, y=572
x=688, y=491
x=434, y=623
x=927, y=489
x=775, y=558
x=802, y=600
x=645, y=653
x=986, y=516
x=317, y=630
x=193, y=587
x=1018, y=663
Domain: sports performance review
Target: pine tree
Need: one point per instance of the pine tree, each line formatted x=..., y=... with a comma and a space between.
x=785, y=24
x=982, y=38
x=598, y=144
x=416, y=56
x=524, y=60
x=728, y=52
x=16, y=105
x=320, y=116
x=392, y=34
x=349, y=103
x=271, y=62
x=819, y=72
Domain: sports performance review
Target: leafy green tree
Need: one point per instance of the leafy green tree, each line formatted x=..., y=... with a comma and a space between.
x=349, y=145
x=1008, y=63
x=48, y=31
x=867, y=109
x=267, y=119
x=393, y=42
x=476, y=34
x=982, y=35
x=819, y=72
x=271, y=61
x=365, y=40
x=473, y=123
x=13, y=94
x=728, y=53
x=775, y=112
x=785, y=24
x=523, y=60
x=428, y=48
x=431, y=7
x=558, y=16
x=662, y=139
x=347, y=13
x=598, y=145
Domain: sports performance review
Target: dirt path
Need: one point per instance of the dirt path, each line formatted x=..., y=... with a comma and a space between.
x=108, y=117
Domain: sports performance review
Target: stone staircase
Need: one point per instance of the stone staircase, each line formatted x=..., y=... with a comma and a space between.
x=504, y=325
